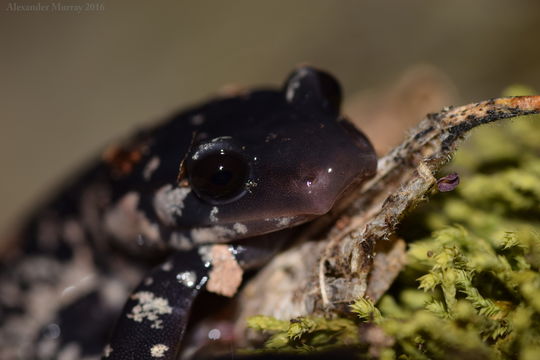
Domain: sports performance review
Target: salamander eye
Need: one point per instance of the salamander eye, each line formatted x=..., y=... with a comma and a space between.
x=219, y=176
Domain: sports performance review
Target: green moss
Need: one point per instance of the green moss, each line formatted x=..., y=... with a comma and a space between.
x=306, y=334
x=471, y=288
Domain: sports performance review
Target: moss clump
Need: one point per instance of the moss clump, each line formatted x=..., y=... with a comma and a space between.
x=482, y=297
x=306, y=334
x=471, y=288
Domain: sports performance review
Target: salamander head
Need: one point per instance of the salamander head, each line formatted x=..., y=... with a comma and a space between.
x=265, y=161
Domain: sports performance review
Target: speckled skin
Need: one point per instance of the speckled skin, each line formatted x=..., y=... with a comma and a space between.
x=135, y=221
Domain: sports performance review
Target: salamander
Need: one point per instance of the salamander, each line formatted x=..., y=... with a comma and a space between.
x=111, y=265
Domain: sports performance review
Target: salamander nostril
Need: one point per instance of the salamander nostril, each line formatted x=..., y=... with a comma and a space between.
x=309, y=181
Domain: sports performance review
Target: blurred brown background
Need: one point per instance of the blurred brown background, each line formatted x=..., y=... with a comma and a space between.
x=71, y=81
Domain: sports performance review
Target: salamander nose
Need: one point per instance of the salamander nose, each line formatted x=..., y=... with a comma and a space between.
x=320, y=189
x=330, y=170
x=310, y=182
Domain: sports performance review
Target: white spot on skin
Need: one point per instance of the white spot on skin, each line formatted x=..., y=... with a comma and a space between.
x=126, y=222
x=149, y=307
x=71, y=351
x=213, y=213
x=206, y=254
x=214, y=334
x=82, y=281
x=197, y=120
x=240, y=228
x=150, y=167
x=167, y=266
x=212, y=234
x=187, y=278
x=107, y=351
x=148, y=281
x=169, y=203
x=284, y=221
x=42, y=300
x=10, y=293
x=158, y=350
x=45, y=348
x=235, y=250
x=113, y=293
x=73, y=232
x=180, y=241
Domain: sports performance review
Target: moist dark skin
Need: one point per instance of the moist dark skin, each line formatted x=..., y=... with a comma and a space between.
x=232, y=169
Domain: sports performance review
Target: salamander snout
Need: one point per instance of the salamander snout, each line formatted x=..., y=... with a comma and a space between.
x=314, y=187
x=320, y=183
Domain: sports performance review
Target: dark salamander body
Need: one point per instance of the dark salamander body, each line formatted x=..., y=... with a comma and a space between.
x=110, y=267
